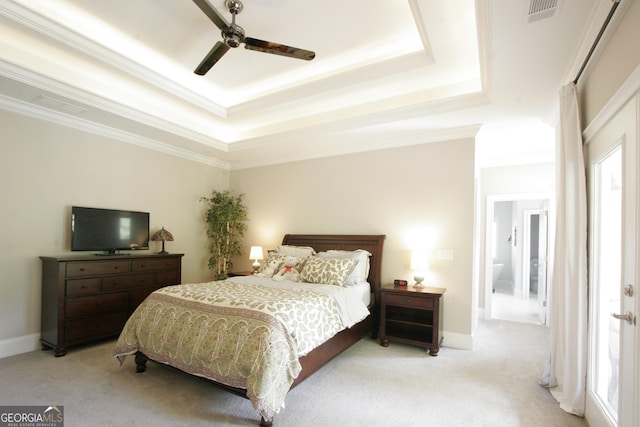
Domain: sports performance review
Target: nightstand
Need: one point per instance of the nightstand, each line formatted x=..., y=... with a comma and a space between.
x=240, y=273
x=411, y=315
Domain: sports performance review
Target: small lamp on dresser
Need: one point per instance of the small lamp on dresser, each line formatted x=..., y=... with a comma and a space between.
x=420, y=266
x=256, y=255
x=162, y=235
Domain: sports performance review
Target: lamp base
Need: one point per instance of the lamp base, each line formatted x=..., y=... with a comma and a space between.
x=418, y=280
x=163, y=252
x=255, y=266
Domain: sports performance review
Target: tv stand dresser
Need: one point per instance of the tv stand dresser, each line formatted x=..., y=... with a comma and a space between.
x=85, y=298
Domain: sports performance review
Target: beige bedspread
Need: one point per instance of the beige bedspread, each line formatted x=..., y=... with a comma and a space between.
x=245, y=336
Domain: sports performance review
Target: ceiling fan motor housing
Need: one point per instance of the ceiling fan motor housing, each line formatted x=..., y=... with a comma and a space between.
x=233, y=35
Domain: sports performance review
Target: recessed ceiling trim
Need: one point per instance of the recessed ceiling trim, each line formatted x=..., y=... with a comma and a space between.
x=91, y=100
x=59, y=118
x=417, y=16
x=53, y=30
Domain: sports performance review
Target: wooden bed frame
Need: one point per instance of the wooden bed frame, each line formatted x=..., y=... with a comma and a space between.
x=321, y=355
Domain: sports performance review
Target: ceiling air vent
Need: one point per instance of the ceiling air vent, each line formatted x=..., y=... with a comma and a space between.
x=541, y=9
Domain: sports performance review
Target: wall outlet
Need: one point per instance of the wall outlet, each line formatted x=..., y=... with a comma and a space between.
x=445, y=254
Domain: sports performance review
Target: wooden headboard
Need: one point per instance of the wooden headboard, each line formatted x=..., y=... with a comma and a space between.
x=346, y=242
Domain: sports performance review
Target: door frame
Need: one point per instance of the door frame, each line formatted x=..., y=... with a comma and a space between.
x=488, y=259
x=632, y=403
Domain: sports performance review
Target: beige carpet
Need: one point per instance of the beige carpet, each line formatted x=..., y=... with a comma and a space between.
x=368, y=385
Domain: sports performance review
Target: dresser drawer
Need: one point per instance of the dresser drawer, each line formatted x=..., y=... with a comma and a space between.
x=114, y=283
x=96, y=268
x=97, y=304
x=95, y=327
x=167, y=278
x=408, y=301
x=154, y=264
x=77, y=287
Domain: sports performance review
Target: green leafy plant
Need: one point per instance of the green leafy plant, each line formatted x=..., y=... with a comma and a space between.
x=225, y=217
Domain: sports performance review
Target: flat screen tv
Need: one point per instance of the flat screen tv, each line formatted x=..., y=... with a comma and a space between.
x=108, y=230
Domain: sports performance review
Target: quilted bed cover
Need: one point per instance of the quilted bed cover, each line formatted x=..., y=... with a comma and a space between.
x=243, y=332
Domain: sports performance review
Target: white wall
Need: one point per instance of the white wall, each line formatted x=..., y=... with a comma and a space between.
x=46, y=168
x=421, y=195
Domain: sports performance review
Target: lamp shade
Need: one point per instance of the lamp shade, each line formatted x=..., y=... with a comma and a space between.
x=419, y=260
x=256, y=253
x=162, y=235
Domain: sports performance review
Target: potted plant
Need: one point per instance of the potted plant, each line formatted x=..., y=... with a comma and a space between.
x=225, y=217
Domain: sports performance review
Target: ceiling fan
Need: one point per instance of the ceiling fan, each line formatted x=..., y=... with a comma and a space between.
x=234, y=35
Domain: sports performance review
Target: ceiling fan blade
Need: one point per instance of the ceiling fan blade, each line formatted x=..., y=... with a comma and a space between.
x=212, y=13
x=278, y=49
x=212, y=57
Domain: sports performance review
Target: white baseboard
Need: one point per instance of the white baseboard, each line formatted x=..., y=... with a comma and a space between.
x=19, y=345
x=455, y=340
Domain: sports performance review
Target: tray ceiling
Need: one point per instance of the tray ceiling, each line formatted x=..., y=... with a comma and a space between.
x=386, y=73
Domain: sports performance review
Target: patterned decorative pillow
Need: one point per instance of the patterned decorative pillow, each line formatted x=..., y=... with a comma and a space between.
x=277, y=259
x=360, y=272
x=331, y=271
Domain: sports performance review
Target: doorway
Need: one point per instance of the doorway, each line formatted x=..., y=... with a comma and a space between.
x=516, y=257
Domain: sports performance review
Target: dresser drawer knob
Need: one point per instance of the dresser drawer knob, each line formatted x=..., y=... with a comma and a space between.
x=82, y=269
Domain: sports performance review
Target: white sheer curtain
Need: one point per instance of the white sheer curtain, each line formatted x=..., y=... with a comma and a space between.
x=565, y=375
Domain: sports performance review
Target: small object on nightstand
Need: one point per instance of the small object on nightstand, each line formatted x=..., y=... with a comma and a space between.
x=399, y=282
x=411, y=315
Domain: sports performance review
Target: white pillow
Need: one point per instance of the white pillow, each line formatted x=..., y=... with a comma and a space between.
x=297, y=251
x=360, y=272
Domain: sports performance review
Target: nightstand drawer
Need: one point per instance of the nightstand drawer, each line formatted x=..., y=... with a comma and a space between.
x=408, y=301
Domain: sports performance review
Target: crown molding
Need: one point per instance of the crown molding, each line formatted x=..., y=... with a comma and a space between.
x=31, y=110
x=54, y=31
